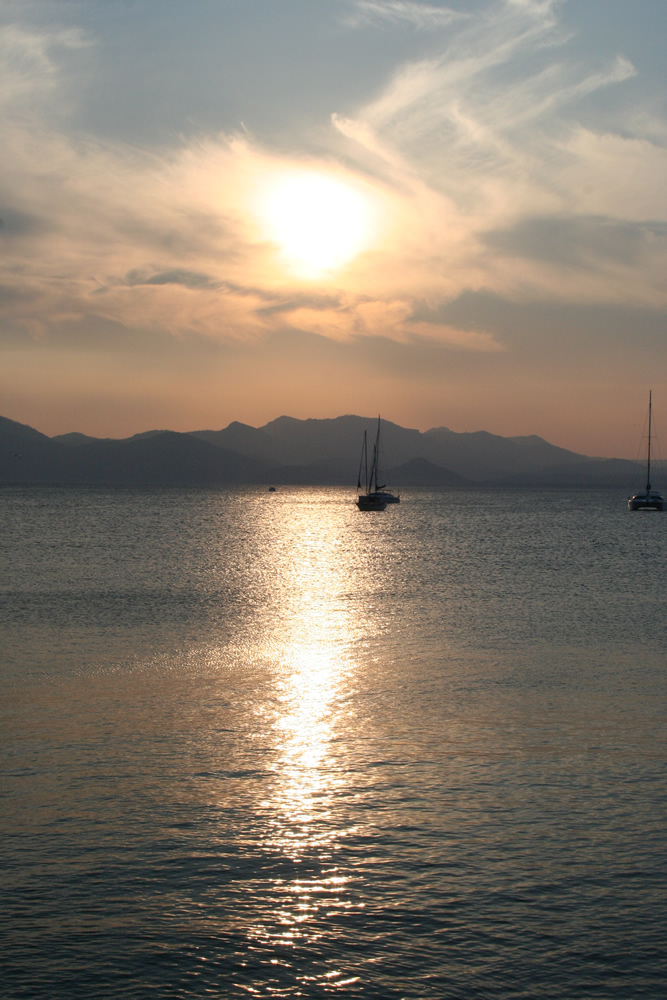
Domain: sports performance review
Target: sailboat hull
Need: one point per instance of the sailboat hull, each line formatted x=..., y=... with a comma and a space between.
x=647, y=501
x=370, y=502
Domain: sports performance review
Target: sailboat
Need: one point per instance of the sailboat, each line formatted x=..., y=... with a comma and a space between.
x=381, y=489
x=369, y=499
x=648, y=499
x=376, y=495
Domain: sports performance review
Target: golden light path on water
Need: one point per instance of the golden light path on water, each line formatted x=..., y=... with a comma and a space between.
x=311, y=645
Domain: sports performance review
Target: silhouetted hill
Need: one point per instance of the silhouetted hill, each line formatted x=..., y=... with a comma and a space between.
x=334, y=443
x=291, y=451
x=162, y=458
x=304, y=450
x=421, y=472
x=241, y=438
x=74, y=439
x=483, y=456
x=586, y=474
x=338, y=440
x=12, y=432
x=28, y=456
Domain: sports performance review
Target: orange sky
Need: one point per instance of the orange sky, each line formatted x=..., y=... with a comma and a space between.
x=467, y=227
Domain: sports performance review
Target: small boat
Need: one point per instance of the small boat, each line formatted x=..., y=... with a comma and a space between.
x=377, y=496
x=371, y=498
x=648, y=499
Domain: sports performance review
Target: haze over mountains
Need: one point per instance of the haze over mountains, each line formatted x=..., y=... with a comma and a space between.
x=309, y=452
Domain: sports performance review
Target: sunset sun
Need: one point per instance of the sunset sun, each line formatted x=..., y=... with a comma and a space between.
x=318, y=222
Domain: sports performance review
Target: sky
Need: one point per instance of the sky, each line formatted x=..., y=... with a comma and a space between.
x=452, y=214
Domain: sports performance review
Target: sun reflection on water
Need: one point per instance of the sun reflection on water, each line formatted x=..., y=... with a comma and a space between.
x=311, y=647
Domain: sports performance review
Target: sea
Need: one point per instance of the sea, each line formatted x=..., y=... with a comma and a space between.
x=262, y=744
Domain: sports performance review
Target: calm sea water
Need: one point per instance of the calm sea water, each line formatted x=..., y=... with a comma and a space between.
x=265, y=745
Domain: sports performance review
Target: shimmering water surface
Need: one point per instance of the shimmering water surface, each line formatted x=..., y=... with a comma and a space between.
x=266, y=745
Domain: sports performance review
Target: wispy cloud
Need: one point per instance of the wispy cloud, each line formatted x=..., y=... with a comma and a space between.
x=30, y=65
x=423, y=16
x=486, y=84
x=487, y=136
x=486, y=177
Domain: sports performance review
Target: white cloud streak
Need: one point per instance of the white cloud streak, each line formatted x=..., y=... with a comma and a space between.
x=423, y=16
x=491, y=126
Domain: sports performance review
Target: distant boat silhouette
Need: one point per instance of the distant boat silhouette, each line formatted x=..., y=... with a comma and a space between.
x=648, y=499
x=369, y=500
x=376, y=495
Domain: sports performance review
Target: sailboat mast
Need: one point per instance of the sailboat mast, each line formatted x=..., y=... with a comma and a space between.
x=376, y=455
x=363, y=461
x=648, y=461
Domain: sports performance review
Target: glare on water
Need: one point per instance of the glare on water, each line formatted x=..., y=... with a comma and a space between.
x=309, y=644
x=268, y=745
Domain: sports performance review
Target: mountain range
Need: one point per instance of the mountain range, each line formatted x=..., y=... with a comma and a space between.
x=308, y=452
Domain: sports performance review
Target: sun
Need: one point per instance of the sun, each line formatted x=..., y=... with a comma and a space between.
x=318, y=221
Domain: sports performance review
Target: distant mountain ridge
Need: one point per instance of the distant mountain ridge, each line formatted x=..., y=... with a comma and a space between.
x=307, y=452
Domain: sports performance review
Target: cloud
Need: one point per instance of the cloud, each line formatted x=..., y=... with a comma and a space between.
x=14, y=225
x=582, y=241
x=486, y=138
x=484, y=102
x=423, y=16
x=29, y=63
x=178, y=276
x=484, y=176
x=479, y=341
x=392, y=319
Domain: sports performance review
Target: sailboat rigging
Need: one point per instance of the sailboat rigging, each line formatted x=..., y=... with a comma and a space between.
x=375, y=496
x=369, y=499
x=648, y=499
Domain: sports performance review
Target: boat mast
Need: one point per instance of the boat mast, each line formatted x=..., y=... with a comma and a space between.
x=648, y=462
x=376, y=457
x=363, y=461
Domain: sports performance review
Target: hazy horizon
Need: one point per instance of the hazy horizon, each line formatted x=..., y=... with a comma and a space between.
x=449, y=213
